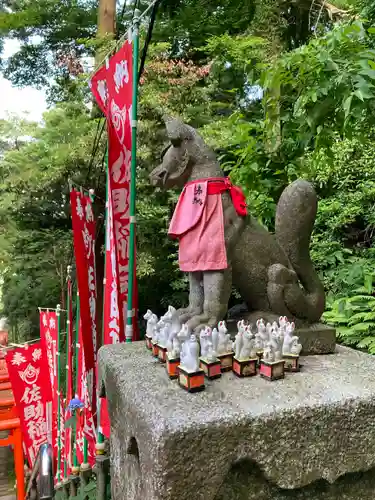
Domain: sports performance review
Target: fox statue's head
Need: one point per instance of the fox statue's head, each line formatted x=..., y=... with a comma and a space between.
x=185, y=151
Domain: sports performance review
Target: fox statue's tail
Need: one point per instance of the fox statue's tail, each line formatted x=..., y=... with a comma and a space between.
x=295, y=217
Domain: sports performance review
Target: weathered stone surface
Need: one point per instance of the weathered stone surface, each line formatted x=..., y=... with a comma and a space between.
x=245, y=481
x=167, y=444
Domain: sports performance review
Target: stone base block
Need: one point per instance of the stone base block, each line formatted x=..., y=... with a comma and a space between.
x=311, y=434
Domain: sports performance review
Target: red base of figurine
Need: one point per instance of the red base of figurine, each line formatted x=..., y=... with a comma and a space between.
x=172, y=367
x=245, y=367
x=272, y=371
x=212, y=369
x=155, y=350
x=291, y=363
x=226, y=361
x=191, y=381
x=162, y=354
x=148, y=341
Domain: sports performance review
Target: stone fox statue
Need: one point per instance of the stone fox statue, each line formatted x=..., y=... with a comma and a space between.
x=272, y=272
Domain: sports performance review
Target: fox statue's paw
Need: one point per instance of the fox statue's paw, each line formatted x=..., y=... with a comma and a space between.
x=186, y=313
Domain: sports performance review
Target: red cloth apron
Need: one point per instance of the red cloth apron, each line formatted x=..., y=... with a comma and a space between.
x=198, y=223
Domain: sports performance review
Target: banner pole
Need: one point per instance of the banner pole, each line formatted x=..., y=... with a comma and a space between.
x=129, y=319
x=77, y=347
x=58, y=395
x=69, y=354
x=100, y=437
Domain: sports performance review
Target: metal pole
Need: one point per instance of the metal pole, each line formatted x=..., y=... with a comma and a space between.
x=75, y=468
x=100, y=436
x=129, y=322
x=69, y=353
x=46, y=488
x=58, y=394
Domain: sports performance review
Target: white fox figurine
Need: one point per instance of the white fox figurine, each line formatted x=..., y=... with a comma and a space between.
x=248, y=347
x=262, y=331
x=190, y=354
x=225, y=343
x=205, y=338
x=296, y=348
x=269, y=353
x=215, y=341
x=171, y=317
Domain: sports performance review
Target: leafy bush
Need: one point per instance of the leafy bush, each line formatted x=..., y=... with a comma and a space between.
x=354, y=317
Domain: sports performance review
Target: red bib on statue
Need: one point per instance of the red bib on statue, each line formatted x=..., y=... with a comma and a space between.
x=198, y=223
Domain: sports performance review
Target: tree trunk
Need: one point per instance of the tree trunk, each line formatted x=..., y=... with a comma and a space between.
x=106, y=23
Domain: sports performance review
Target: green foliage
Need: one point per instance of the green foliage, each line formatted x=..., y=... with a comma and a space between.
x=275, y=100
x=36, y=243
x=354, y=317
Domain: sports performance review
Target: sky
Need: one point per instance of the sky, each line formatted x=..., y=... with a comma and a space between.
x=27, y=102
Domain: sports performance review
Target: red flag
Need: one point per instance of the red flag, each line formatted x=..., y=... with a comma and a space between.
x=113, y=93
x=98, y=86
x=32, y=394
x=112, y=321
x=84, y=248
x=85, y=424
x=49, y=341
x=119, y=105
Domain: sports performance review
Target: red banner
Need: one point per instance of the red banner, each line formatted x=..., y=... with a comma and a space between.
x=85, y=425
x=98, y=86
x=32, y=394
x=112, y=88
x=113, y=327
x=119, y=89
x=84, y=248
x=48, y=338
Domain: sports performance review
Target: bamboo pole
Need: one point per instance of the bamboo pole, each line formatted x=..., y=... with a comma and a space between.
x=129, y=322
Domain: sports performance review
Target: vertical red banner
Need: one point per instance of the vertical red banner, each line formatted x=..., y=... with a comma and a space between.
x=49, y=341
x=112, y=88
x=113, y=330
x=32, y=392
x=84, y=228
x=85, y=425
x=119, y=106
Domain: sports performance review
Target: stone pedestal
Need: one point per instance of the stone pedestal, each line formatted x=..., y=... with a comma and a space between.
x=309, y=436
